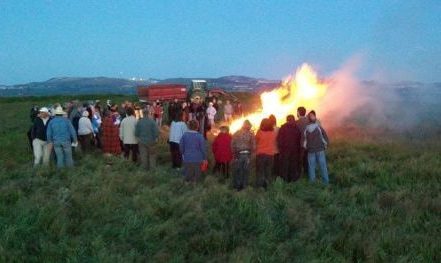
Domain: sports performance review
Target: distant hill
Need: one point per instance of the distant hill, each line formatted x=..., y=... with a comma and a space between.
x=100, y=85
x=106, y=85
x=73, y=86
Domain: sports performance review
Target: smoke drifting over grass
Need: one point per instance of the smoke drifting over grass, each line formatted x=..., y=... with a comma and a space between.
x=344, y=95
x=398, y=107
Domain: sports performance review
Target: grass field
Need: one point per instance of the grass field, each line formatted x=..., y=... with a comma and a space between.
x=383, y=205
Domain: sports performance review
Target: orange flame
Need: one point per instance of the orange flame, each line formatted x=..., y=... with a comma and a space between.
x=304, y=89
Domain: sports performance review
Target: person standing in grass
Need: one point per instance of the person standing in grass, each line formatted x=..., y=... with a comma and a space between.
x=96, y=124
x=177, y=130
x=288, y=141
x=211, y=113
x=277, y=162
x=110, y=135
x=127, y=135
x=174, y=109
x=158, y=111
x=39, y=138
x=75, y=114
x=228, y=112
x=220, y=111
x=302, y=122
x=85, y=132
x=185, y=112
x=315, y=141
x=165, y=116
x=60, y=136
x=265, y=151
x=243, y=145
x=194, y=152
x=238, y=110
x=147, y=133
x=222, y=151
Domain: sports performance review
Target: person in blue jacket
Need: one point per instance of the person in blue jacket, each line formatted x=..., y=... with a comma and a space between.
x=60, y=135
x=194, y=151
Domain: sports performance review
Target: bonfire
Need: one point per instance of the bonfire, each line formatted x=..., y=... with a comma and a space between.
x=301, y=89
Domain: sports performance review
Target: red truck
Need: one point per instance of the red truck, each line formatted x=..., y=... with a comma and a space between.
x=169, y=92
x=163, y=92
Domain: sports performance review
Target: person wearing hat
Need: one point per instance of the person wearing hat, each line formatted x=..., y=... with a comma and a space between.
x=39, y=139
x=85, y=132
x=60, y=136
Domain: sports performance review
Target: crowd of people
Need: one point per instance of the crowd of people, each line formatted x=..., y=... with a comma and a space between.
x=132, y=130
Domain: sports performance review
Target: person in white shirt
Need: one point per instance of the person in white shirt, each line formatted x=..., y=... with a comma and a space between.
x=39, y=138
x=85, y=132
x=211, y=113
x=177, y=129
x=228, y=112
x=127, y=135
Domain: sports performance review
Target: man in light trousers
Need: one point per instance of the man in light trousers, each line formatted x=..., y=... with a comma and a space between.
x=39, y=139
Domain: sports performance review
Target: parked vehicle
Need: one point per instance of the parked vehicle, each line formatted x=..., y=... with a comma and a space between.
x=162, y=92
x=169, y=92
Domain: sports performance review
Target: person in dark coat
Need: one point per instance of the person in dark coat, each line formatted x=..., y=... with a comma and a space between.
x=276, y=163
x=288, y=141
x=238, y=110
x=39, y=138
x=315, y=141
x=185, y=112
x=302, y=122
x=243, y=146
x=174, y=110
x=33, y=115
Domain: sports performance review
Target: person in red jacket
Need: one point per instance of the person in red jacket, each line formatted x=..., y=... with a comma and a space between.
x=110, y=135
x=222, y=151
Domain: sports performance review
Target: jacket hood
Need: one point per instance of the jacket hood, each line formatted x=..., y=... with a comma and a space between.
x=311, y=127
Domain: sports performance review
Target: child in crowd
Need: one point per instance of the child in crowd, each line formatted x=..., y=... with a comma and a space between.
x=222, y=151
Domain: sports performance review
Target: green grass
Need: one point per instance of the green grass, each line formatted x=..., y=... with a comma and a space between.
x=383, y=205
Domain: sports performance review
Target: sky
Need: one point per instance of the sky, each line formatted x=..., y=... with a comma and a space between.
x=41, y=39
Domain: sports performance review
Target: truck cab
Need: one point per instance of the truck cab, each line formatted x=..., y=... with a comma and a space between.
x=198, y=90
